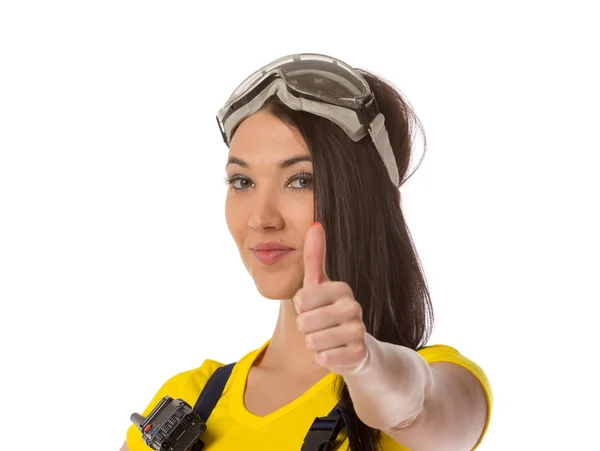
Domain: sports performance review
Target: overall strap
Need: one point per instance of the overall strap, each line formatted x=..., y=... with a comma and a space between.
x=324, y=430
x=212, y=391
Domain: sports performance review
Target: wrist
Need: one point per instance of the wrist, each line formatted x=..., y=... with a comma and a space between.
x=392, y=385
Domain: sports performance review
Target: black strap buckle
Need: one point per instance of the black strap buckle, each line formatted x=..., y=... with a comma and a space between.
x=322, y=434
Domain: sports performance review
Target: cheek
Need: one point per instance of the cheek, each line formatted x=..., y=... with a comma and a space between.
x=303, y=213
x=232, y=218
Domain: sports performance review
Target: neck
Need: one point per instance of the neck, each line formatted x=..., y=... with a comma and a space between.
x=287, y=351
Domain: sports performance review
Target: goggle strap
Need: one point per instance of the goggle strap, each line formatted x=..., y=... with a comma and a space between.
x=381, y=140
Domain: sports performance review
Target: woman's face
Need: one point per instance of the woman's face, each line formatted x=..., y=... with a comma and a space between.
x=267, y=201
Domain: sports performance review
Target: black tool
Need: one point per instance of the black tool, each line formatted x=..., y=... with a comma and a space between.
x=171, y=426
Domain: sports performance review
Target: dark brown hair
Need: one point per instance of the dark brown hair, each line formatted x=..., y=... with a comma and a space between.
x=369, y=245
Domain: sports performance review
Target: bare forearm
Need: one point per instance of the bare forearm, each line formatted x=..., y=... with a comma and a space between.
x=391, y=387
x=433, y=407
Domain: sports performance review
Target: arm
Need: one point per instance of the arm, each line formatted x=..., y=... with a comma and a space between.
x=124, y=447
x=434, y=407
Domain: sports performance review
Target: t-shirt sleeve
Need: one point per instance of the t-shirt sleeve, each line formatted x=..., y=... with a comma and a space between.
x=173, y=388
x=443, y=353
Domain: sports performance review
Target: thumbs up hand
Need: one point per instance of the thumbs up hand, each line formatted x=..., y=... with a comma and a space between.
x=328, y=315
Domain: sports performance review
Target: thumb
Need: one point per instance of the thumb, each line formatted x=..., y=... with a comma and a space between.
x=314, y=255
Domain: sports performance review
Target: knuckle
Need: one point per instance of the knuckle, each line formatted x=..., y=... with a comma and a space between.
x=352, y=309
x=324, y=358
x=310, y=341
x=300, y=301
x=358, y=329
x=357, y=348
x=342, y=288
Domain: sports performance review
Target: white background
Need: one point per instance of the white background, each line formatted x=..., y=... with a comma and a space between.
x=116, y=267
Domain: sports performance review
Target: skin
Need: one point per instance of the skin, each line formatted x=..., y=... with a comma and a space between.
x=270, y=207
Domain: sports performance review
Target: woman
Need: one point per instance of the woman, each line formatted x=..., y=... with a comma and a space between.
x=311, y=139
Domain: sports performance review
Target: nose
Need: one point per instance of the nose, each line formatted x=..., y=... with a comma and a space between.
x=265, y=212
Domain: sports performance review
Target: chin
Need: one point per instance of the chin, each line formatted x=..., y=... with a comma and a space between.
x=276, y=286
x=275, y=283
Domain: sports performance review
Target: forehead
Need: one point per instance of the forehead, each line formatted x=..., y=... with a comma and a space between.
x=267, y=138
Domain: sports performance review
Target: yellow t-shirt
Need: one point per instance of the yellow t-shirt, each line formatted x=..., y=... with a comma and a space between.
x=231, y=427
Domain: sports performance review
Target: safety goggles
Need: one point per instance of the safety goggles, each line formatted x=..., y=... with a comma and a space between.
x=317, y=84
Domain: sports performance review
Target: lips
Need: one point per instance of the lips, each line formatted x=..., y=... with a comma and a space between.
x=268, y=257
x=270, y=247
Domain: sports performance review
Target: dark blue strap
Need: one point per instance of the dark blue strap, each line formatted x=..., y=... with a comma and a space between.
x=324, y=430
x=212, y=391
x=339, y=410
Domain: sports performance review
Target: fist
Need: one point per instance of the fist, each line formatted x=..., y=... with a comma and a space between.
x=328, y=315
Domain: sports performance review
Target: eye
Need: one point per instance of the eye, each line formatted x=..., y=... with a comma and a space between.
x=305, y=178
x=237, y=178
x=241, y=182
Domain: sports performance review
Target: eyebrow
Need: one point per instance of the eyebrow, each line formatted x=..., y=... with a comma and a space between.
x=282, y=165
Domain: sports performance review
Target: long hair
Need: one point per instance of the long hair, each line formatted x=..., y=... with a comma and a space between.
x=369, y=245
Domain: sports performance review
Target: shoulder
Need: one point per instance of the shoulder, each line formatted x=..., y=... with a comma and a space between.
x=439, y=353
x=186, y=385
x=445, y=353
